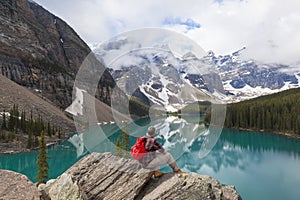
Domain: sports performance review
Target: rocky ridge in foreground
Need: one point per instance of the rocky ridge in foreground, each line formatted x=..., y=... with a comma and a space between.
x=106, y=176
x=17, y=186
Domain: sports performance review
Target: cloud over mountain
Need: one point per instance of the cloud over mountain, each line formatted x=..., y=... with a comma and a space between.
x=270, y=28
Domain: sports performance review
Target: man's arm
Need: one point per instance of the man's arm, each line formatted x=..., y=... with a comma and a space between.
x=149, y=143
x=158, y=146
x=153, y=145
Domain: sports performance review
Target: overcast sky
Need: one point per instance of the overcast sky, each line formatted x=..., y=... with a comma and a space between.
x=270, y=29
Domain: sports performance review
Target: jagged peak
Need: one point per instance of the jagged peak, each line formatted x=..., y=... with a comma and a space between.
x=238, y=52
x=210, y=53
x=189, y=55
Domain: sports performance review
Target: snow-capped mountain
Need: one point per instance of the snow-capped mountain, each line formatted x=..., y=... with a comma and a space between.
x=158, y=76
x=245, y=79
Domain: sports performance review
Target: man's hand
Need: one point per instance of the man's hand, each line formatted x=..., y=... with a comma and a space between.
x=163, y=151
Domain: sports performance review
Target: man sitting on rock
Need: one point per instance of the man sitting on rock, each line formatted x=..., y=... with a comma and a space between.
x=156, y=155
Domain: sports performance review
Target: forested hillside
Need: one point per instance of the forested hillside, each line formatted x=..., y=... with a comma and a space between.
x=21, y=131
x=276, y=112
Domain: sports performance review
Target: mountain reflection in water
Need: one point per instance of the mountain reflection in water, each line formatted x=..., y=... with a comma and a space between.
x=259, y=165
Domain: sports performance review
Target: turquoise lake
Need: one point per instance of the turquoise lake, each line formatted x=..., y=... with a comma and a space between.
x=261, y=166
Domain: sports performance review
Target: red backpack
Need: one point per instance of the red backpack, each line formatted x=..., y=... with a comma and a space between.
x=138, y=149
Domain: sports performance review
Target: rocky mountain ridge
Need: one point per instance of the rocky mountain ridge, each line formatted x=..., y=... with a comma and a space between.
x=159, y=77
x=247, y=78
x=40, y=56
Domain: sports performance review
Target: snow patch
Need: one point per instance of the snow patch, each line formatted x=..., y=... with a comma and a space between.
x=248, y=92
x=37, y=90
x=7, y=114
x=77, y=105
x=298, y=78
x=170, y=108
x=77, y=141
x=163, y=94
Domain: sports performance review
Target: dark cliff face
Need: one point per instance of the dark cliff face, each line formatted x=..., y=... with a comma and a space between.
x=40, y=51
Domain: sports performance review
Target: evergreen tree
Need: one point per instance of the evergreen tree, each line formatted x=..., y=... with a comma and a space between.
x=11, y=136
x=16, y=123
x=49, y=130
x=11, y=121
x=53, y=130
x=4, y=126
x=23, y=121
x=59, y=134
x=31, y=123
x=122, y=143
x=125, y=141
x=30, y=140
x=2, y=135
x=277, y=112
x=118, y=148
x=17, y=116
x=41, y=162
x=36, y=141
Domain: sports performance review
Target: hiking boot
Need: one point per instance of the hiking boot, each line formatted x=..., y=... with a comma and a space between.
x=179, y=171
x=158, y=174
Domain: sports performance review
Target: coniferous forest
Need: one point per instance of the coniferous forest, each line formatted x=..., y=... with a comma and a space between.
x=16, y=124
x=278, y=112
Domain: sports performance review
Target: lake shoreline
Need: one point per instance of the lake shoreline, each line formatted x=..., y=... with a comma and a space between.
x=19, y=150
x=290, y=135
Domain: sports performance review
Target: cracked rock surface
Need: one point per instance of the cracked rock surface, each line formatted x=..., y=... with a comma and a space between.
x=106, y=176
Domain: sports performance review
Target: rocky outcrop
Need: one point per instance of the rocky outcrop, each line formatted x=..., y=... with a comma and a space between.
x=105, y=176
x=17, y=186
x=40, y=51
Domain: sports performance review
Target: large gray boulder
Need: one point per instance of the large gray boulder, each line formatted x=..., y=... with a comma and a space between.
x=106, y=176
x=15, y=186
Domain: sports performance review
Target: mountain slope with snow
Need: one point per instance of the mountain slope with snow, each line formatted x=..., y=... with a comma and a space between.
x=158, y=76
x=246, y=79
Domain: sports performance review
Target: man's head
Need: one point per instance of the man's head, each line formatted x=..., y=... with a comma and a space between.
x=151, y=131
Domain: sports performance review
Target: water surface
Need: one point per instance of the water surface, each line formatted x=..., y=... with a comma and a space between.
x=259, y=165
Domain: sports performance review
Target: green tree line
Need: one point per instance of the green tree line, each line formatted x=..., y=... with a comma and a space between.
x=276, y=112
x=17, y=122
